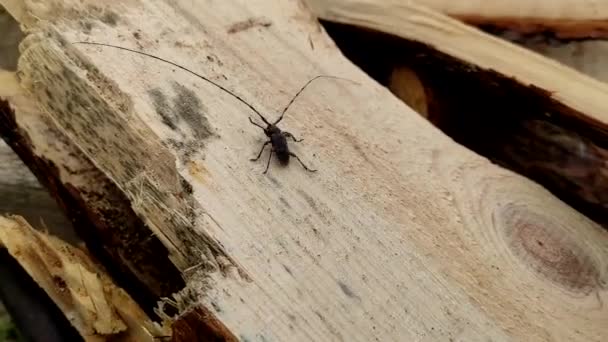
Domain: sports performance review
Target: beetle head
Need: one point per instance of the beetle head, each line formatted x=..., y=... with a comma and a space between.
x=271, y=130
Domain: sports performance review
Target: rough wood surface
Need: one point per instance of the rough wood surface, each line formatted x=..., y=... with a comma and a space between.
x=420, y=24
x=20, y=192
x=88, y=199
x=562, y=18
x=402, y=234
x=85, y=294
x=518, y=108
x=589, y=57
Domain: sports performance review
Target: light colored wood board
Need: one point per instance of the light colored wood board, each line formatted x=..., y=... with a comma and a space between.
x=402, y=234
x=96, y=307
x=421, y=24
x=565, y=18
x=589, y=57
x=89, y=198
x=20, y=191
x=516, y=124
x=529, y=128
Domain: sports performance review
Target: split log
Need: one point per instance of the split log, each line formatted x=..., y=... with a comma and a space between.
x=80, y=288
x=20, y=192
x=520, y=109
x=401, y=234
x=565, y=19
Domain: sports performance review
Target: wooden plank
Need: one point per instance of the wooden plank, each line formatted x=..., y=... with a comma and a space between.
x=20, y=191
x=560, y=18
x=401, y=234
x=96, y=307
x=420, y=24
x=589, y=57
x=88, y=198
x=520, y=109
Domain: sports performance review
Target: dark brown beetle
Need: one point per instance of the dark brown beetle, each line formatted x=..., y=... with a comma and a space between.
x=277, y=137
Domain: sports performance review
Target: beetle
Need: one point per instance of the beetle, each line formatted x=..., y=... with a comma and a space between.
x=278, y=141
x=277, y=137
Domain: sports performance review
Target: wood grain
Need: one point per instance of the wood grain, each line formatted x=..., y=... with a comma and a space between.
x=518, y=108
x=589, y=57
x=562, y=18
x=89, y=199
x=402, y=234
x=421, y=24
x=96, y=307
x=20, y=191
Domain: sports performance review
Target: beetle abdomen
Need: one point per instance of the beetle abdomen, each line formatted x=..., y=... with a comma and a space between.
x=283, y=158
x=279, y=144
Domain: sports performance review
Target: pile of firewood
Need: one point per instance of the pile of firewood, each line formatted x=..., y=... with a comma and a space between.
x=444, y=180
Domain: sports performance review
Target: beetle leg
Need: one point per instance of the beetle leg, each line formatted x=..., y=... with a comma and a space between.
x=289, y=135
x=255, y=124
x=268, y=164
x=262, y=150
x=302, y=163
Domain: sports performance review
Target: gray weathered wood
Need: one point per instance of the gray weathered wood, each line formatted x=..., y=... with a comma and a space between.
x=20, y=191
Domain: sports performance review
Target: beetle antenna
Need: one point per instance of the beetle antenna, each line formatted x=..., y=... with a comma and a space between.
x=304, y=87
x=183, y=68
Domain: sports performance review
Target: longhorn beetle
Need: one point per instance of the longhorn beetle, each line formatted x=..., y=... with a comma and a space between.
x=277, y=137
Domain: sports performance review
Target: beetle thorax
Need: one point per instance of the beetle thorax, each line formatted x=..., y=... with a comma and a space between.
x=271, y=130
